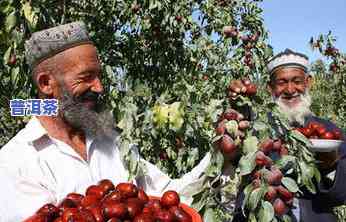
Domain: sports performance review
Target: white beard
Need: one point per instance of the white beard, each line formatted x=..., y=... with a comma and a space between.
x=297, y=113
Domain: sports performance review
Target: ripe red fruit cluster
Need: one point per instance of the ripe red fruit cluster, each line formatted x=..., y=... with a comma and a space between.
x=230, y=31
x=280, y=208
x=278, y=195
x=275, y=189
x=248, y=60
x=272, y=177
x=282, y=201
x=315, y=130
x=106, y=203
x=263, y=160
x=333, y=67
x=227, y=143
x=268, y=146
x=331, y=51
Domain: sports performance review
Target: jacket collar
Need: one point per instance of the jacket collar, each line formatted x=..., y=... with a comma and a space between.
x=34, y=130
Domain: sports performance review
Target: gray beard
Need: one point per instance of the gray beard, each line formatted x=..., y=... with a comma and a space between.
x=298, y=113
x=95, y=123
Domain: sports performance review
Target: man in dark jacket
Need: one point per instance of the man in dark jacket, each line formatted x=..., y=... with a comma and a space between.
x=289, y=86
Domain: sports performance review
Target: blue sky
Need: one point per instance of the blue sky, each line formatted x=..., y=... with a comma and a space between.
x=291, y=23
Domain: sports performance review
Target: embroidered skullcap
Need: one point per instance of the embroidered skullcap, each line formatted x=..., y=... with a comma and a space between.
x=47, y=43
x=288, y=58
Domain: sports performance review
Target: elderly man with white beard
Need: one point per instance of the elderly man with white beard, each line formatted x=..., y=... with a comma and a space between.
x=289, y=86
x=57, y=155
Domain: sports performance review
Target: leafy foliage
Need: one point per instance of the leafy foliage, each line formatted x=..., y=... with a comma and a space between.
x=329, y=81
x=166, y=67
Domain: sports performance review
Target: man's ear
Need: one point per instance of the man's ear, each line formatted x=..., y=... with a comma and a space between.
x=45, y=82
x=269, y=87
x=309, y=81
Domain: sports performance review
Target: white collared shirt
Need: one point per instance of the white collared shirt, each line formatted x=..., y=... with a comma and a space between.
x=40, y=169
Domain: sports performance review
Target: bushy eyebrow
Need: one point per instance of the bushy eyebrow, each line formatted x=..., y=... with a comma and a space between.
x=90, y=71
x=294, y=78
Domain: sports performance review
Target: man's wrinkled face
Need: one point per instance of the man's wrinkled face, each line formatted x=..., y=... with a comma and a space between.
x=290, y=90
x=81, y=72
x=79, y=92
x=288, y=84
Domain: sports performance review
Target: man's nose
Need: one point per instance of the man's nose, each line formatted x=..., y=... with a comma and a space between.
x=97, y=86
x=291, y=89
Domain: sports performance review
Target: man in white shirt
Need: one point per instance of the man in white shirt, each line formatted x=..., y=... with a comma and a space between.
x=55, y=155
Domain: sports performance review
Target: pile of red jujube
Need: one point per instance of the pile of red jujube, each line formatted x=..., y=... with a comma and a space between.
x=278, y=195
x=315, y=130
x=106, y=203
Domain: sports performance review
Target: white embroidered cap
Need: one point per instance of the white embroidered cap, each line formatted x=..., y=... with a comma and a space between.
x=288, y=58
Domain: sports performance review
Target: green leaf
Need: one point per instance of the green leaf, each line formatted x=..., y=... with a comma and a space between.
x=193, y=156
x=300, y=137
x=133, y=165
x=214, y=109
x=284, y=160
x=175, y=116
x=290, y=184
x=122, y=124
x=309, y=184
x=130, y=157
x=247, y=163
x=255, y=197
x=152, y=4
x=215, y=165
x=14, y=75
x=252, y=217
x=29, y=14
x=317, y=174
x=266, y=213
x=244, y=101
x=109, y=70
x=11, y=21
x=201, y=199
x=209, y=215
x=259, y=126
x=286, y=218
x=250, y=144
x=248, y=189
x=7, y=55
x=216, y=138
x=307, y=170
x=161, y=114
x=307, y=174
x=232, y=127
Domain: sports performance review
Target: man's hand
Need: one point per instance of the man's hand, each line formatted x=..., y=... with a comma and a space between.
x=243, y=86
